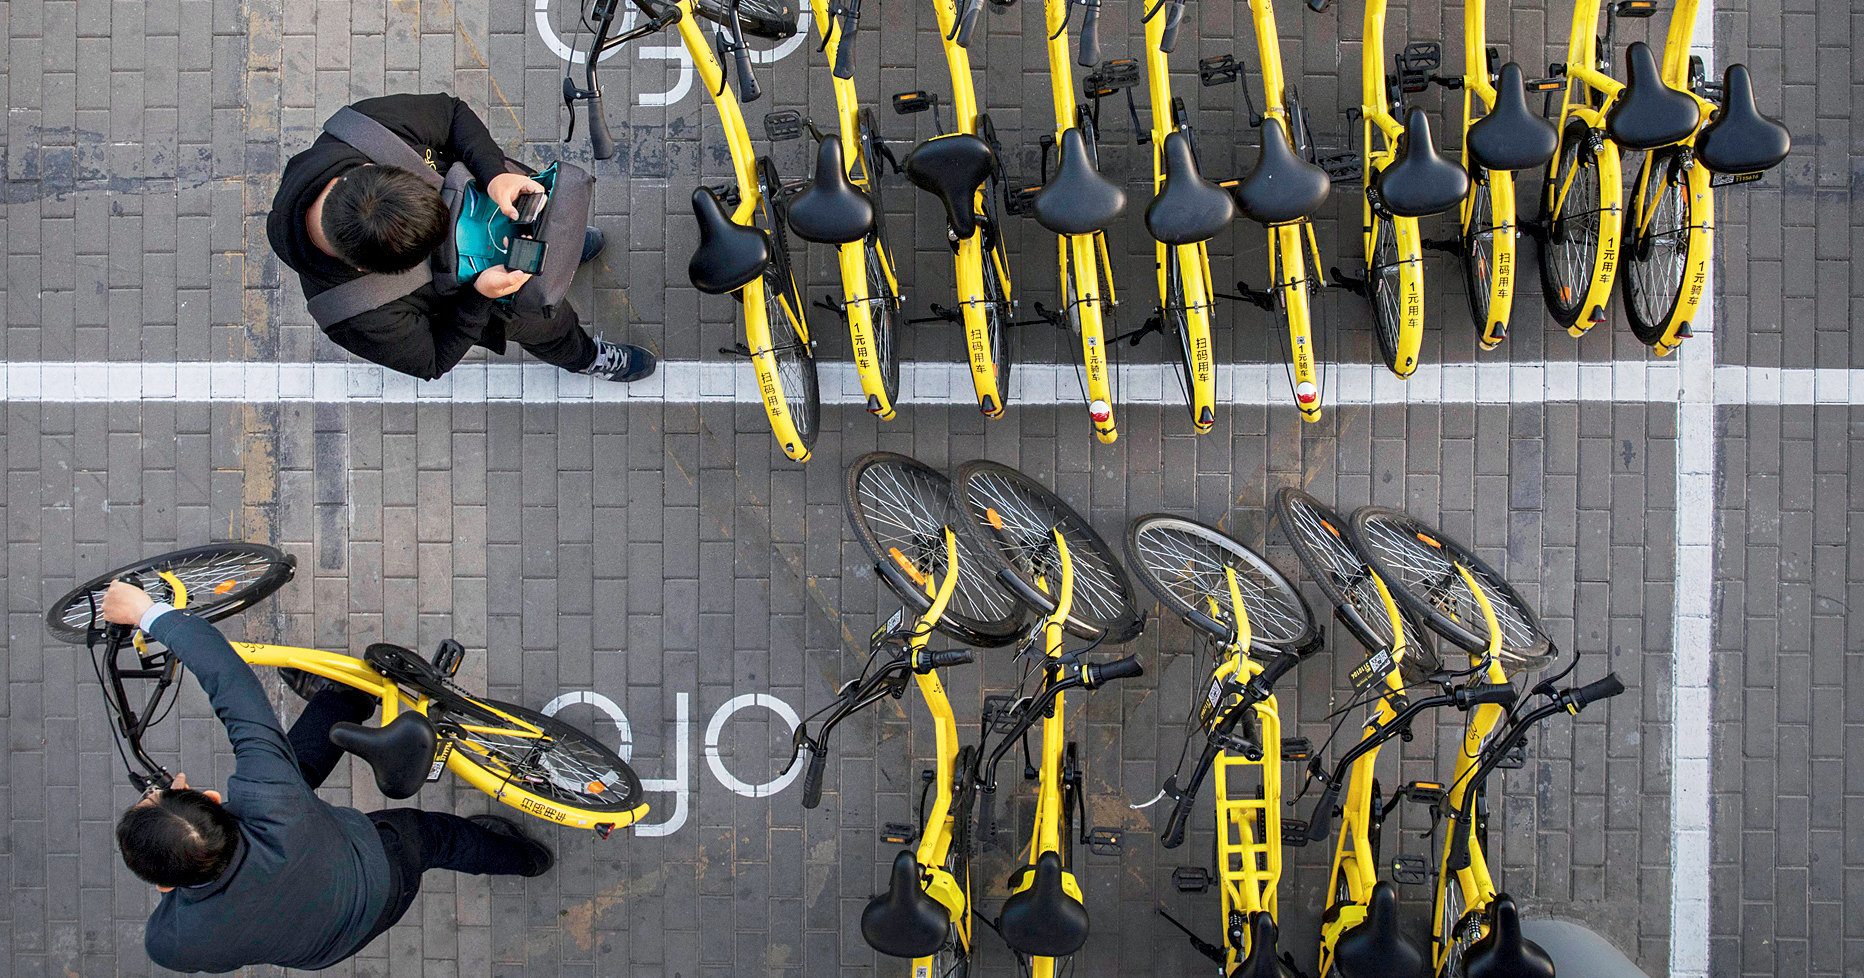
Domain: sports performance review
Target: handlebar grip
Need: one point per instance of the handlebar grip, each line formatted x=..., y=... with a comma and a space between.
x=1459, y=847
x=1172, y=836
x=1320, y=825
x=1281, y=665
x=967, y=21
x=1500, y=694
x=1173, y=14
x=989, y=821
x=844, y=49
x=1318, y=5
x=1090, y=36
x=1605, y=688
x=747, y=82
x=812, y=776
x=1095, y=676
x=600, y=142
x=951, y=657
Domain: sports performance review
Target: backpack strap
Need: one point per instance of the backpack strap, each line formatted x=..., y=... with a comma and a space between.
x=359, y=295
x=379, y=143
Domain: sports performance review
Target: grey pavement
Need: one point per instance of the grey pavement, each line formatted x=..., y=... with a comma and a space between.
x=666, y=556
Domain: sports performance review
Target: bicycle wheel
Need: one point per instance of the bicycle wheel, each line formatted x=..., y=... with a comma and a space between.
x=772, y=20
x=1656, y=257
x=796, y=365
x=1418, y=565
x=883, y=317
x=1479, y=249
x=1387, y=317
x=997, y=322
x=1177, y=322
x=899, y=508
x=1013, y=517
x=1569, y=247
x=566, y=766
x=222, y=579
x=1333, y=563
x=1457, y=938
x=1183, y=562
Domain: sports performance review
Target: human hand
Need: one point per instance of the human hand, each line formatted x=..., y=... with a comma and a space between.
x=124, y=604
x=505, y=189
x=498, y=281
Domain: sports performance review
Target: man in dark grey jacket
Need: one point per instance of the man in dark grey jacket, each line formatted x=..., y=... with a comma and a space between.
x=269, y=873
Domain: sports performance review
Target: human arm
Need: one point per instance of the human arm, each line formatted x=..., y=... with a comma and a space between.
x=422, y=337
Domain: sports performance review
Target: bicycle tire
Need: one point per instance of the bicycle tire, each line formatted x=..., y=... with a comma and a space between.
x=1011, y=515
x=772, y=20
x=583, y=759
x=883, y=319
x=1655, y=264
x=257, y=570
x=1382, y=277
x=1416, y=561
x=997, y=321
x=1332, y=559
x=886, y=489
x=1569, y=246
x=1164, y=552
x=1177, y=321
x=1479, y=249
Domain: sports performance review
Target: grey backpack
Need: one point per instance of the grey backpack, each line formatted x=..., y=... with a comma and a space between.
x=559, y=227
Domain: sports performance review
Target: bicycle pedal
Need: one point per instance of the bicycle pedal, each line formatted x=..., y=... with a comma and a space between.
x=448, y=656
x=727, y=193
x=1221, y=69
x=999, y=714
x=1422, y=792
x=898, y=833
x=1294, y=832
x=1515, y=758
x=1104, y=841
x=1410, y=870
x=1191, y=879
x=782, y=124
x=1635, y=8
x=918, y=100
x=1235, y=744
x=1340, y=167
x=1296, y=748
x=1021, y=200
x=1416, y=63
x=1110, y=78
x=1549, y=84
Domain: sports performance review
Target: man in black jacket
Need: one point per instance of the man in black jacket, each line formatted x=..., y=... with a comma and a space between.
x=269, y=873
x=337, y=217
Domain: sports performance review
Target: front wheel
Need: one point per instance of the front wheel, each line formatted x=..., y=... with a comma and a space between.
x=539, y=755
x=1661, y=248
x=220, y=580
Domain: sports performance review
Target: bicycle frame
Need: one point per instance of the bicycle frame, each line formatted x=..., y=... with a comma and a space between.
x=1249, y=842
x=1188, y=264
x=1287, y=259
x=1588, y=95
x=1080, y=257
x=1376, y=119
x=969, y=254
x=864, y=173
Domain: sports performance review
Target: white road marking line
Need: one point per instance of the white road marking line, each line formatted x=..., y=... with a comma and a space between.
x=942, y=384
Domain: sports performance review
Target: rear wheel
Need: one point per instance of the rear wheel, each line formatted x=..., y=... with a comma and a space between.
x=1479, y=251
x=1570, y=242
x=1388, y=318
x=997, y=321
x=1177, y=322
x=221, y=579
x=1656, y=255
x=795, y=363
x=565, y=765
x=883, y=317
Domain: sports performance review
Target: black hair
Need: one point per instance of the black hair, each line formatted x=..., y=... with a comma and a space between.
x=384, y=219
x=184, y=839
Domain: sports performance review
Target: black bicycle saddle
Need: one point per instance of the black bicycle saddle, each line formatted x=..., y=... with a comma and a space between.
x=1043, y=920
x=1739, y=139
x=729, y=255
x=399, y=753
x=831, y=210
x=1283, y=187
x=1503, y=952
x=904, y=921
x=1078, y=200
x=1188, y=208
x=1376, y=947
x=1512, y=136
x=1649, y=113
x=1261, y=961
x=1420, y=182
x=951, y=167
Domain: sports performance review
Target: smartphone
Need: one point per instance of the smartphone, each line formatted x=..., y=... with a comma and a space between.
x=529, y=206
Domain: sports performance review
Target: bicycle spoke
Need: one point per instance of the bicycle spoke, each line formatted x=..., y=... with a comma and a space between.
x=1192, y=568
x=897, y=506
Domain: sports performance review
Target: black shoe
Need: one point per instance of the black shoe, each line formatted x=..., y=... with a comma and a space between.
x=541, y=858
x=593, y=241
x=305, y=684
x=620, y=363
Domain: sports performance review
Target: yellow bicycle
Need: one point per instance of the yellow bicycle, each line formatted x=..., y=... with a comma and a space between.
x=962, y=168
x=841, y=207
x=735, y=256
x=522, y=758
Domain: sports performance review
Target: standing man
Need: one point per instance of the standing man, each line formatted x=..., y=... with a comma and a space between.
x=338, y=217
x=269, y=873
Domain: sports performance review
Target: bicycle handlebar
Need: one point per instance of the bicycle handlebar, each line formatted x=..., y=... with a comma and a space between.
x=1090, y=33
x=812, y=775
x=1463, y=698
x=1255, y=691
x=1096, y=676
x=1173, y=14
x=748, y=90
x=967, y=21
x=1592, y=692
x=1499, y=694
x=1090, y=676
x=848, y=18
x=951, y=657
